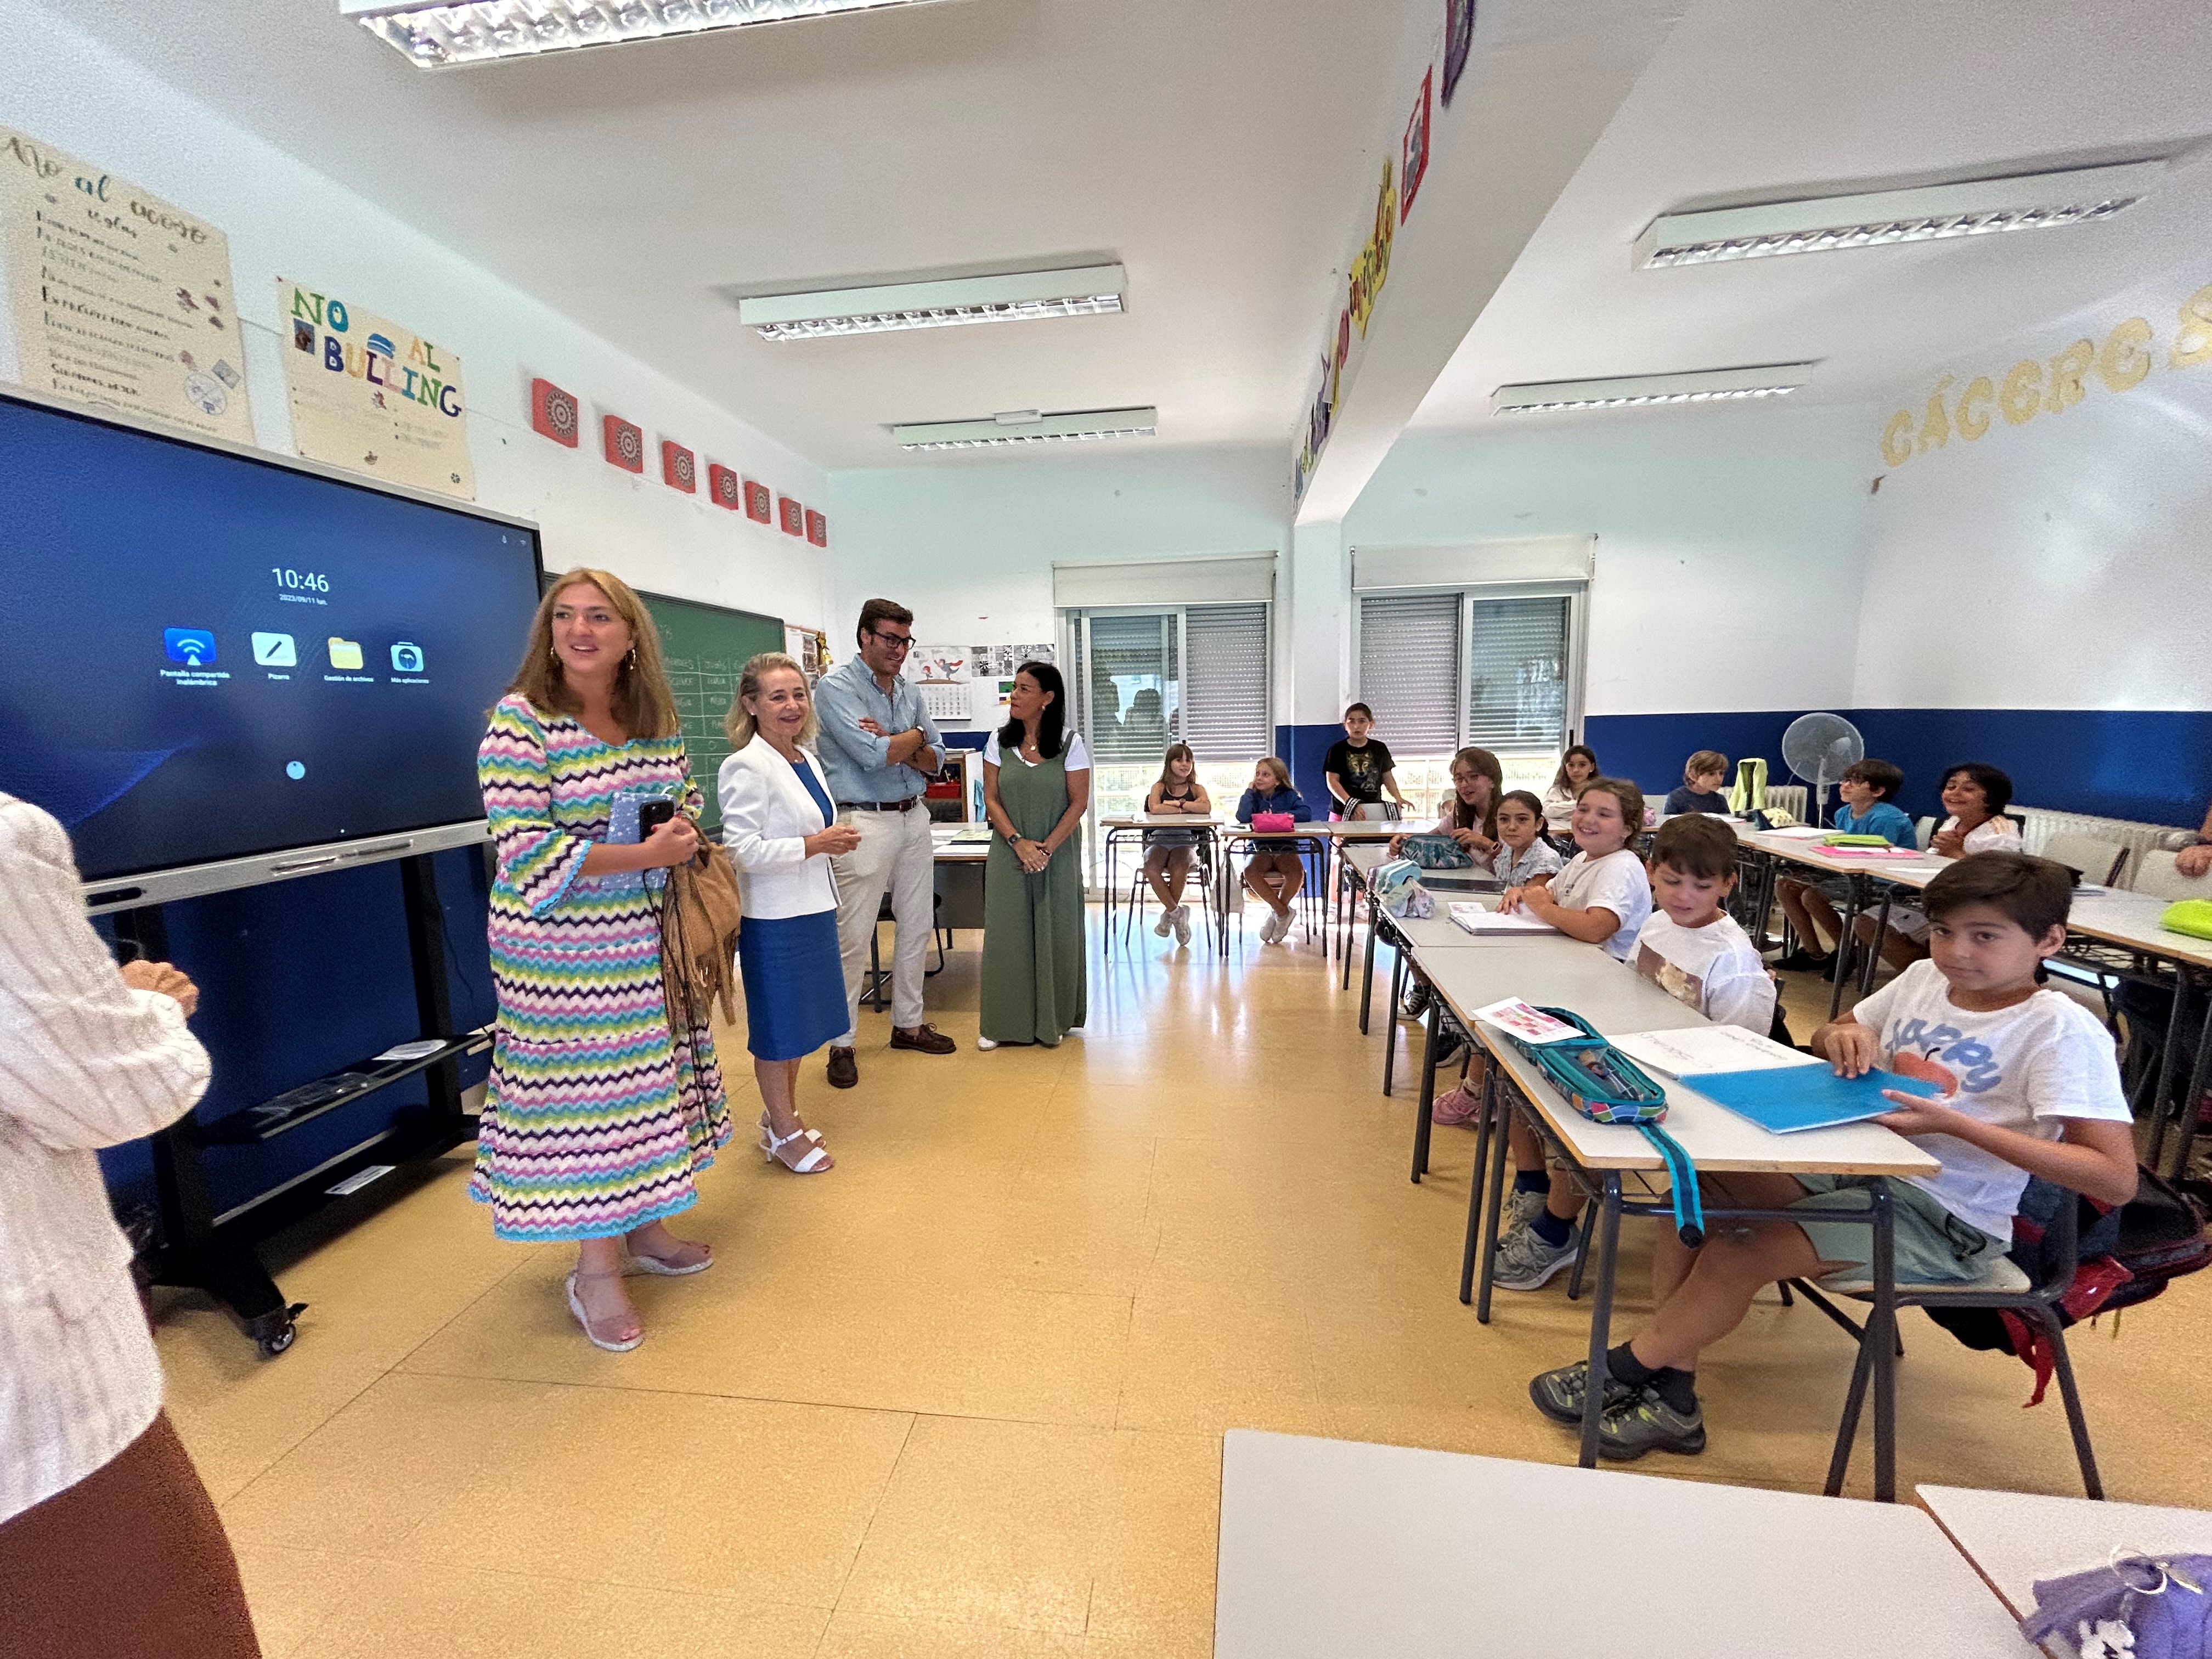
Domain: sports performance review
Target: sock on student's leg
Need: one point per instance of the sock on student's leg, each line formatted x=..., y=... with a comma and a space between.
x=1677, y=1387
x=1554, y=1231
x=1532, y=1181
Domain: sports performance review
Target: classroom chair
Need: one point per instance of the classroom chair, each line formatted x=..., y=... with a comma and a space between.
x=1200, y=889
x=1923, y=831
x=2097, y=862
x=2004, y=1287
x=2155, y=874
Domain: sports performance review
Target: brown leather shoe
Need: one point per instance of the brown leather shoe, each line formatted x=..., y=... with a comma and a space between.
x=843, y=1072
x=925, y=1038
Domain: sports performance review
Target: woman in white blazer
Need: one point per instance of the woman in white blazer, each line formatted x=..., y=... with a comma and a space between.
x=781, y=829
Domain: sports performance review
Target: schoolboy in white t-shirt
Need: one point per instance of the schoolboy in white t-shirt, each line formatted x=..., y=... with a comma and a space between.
x=1691, y=948
x=2030, y=1087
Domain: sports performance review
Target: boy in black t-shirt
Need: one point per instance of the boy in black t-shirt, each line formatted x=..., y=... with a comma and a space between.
x=1359, y=768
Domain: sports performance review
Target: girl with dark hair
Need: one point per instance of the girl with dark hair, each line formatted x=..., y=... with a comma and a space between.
x=1577, y=767
x=1036, y=783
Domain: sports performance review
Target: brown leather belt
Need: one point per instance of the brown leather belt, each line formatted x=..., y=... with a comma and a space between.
x=907, y=805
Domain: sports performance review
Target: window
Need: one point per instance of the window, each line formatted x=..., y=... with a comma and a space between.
x=1144, y=678
x=1497, y=669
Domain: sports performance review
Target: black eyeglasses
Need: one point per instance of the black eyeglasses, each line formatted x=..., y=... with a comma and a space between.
x=896, y=641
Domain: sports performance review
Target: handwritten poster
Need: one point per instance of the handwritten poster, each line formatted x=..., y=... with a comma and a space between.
x=368, y=395
x=119, y=298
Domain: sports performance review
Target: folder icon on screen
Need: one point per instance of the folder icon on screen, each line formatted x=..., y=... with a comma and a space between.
x=344, y=653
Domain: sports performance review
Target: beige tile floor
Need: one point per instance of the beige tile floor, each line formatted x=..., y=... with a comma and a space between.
x=965, y=1395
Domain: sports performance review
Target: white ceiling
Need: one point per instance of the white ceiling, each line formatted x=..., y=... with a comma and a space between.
x=1766, y=100
x=1220, y=149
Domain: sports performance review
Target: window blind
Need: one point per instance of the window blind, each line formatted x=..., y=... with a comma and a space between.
x=1517, y=658
x=1134, y=690
x=1409, y=669
x=1226, y=715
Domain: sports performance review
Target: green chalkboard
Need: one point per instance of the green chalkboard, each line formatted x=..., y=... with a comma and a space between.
x=705, y=647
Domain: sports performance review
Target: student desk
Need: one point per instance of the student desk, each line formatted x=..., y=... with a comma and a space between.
x=2098, y=925
x=1603, y=1157
x=1132, y=826
x=1316, y=838
x=2016, y=1538
x=1330, y=1548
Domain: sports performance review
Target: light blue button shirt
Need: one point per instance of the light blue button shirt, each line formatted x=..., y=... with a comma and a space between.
x=855, y=759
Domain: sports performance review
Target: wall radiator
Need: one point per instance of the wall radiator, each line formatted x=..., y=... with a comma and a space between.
x=2041, y=824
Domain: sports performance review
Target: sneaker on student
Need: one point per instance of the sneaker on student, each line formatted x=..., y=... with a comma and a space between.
x=1182, y=924
x=1415, y=1003
x=1457, y=1106
x=1165, y=924
x=1559, y=1393
x=1520, y=1211
x=1526, y=1262
x=1645, y=1422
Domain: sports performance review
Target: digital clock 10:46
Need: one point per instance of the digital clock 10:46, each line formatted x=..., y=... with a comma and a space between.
x=300, y=581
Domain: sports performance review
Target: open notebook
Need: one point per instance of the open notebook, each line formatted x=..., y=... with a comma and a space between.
x=1481, y=918
x=1778, y=1088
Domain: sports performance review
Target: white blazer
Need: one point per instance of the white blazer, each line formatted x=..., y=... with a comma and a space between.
x=766, y=814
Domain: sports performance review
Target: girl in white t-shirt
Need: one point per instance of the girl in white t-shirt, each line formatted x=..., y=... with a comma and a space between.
x=1976, y=796
x=1602, y=897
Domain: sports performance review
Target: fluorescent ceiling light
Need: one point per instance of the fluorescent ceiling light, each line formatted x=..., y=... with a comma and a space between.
x=1023, y=296
x=1979, y=207
x=448, y=37
x=1028, y=427
x=1642, y=391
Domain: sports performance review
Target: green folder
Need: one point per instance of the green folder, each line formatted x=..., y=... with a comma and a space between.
x=1855, y=841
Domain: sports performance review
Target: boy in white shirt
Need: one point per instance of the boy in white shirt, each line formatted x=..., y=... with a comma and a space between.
x=2030, y=1087
x=1691, y=948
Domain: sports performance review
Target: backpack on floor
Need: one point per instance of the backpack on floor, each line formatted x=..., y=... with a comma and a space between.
x=2124, y=1255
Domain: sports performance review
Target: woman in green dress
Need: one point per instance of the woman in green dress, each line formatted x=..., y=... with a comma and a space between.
x=1037, y=782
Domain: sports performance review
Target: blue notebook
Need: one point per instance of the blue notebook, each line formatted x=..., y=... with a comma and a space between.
x=1787, y=1098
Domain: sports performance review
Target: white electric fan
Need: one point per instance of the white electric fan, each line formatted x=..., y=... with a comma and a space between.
x=1819, y=749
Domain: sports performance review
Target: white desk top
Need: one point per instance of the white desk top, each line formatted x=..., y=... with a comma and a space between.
x=2016, y=1538
x=1440, y=933
x=1566, y=973
x=1330, y=1548
x=1161, y=820
x=2128, y=919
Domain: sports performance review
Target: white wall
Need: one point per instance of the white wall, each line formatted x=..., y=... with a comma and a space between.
x=1729, y=552
x=283, y=218
x=970, y=546
x=2064, y=563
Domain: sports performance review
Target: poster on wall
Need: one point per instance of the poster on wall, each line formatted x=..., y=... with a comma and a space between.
x=119, y=298
x=1458, y=40
x=991, y=670
x=1414, y=162
x=369, y=395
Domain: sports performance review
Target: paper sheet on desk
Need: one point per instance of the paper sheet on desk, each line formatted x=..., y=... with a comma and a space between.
x=1480, y=919
x=1814, y=1097
x=1709, y=1049
x=1802, y=832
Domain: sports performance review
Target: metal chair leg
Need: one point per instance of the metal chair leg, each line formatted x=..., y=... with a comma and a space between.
x=1581, y=1251
x=2076, y=1423
x=1847, y=1431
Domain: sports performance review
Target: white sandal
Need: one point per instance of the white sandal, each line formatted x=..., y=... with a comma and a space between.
x=646, y=1263
x=576, y=1307
x=813, y=1161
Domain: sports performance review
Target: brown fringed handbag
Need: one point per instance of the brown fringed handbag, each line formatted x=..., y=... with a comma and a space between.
x=700, y=914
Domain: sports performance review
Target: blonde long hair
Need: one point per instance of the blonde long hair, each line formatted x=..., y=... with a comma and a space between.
x=740, y=725
x=641, y=699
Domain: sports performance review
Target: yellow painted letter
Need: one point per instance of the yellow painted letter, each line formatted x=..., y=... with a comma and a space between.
x=1973, y=418
x=2023, y=393
x=2067, y=369
x=2124, y=360
x=2193, y=344
x=1897, y=438
x=1936, y=425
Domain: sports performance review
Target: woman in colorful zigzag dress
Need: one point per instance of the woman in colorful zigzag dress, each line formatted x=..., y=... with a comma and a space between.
x=597, y=1116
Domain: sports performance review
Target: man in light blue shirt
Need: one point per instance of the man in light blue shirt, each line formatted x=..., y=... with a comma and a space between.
x=878, y=747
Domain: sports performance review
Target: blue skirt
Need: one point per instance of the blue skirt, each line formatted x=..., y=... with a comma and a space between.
x=794, y=984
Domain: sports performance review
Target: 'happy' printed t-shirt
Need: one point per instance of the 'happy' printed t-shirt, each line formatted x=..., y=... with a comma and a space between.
x=2022, y=1067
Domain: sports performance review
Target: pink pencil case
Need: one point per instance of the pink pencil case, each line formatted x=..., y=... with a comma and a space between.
x=1273, y=824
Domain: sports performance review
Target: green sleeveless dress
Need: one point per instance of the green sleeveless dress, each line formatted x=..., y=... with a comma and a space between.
x=1035, y=983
